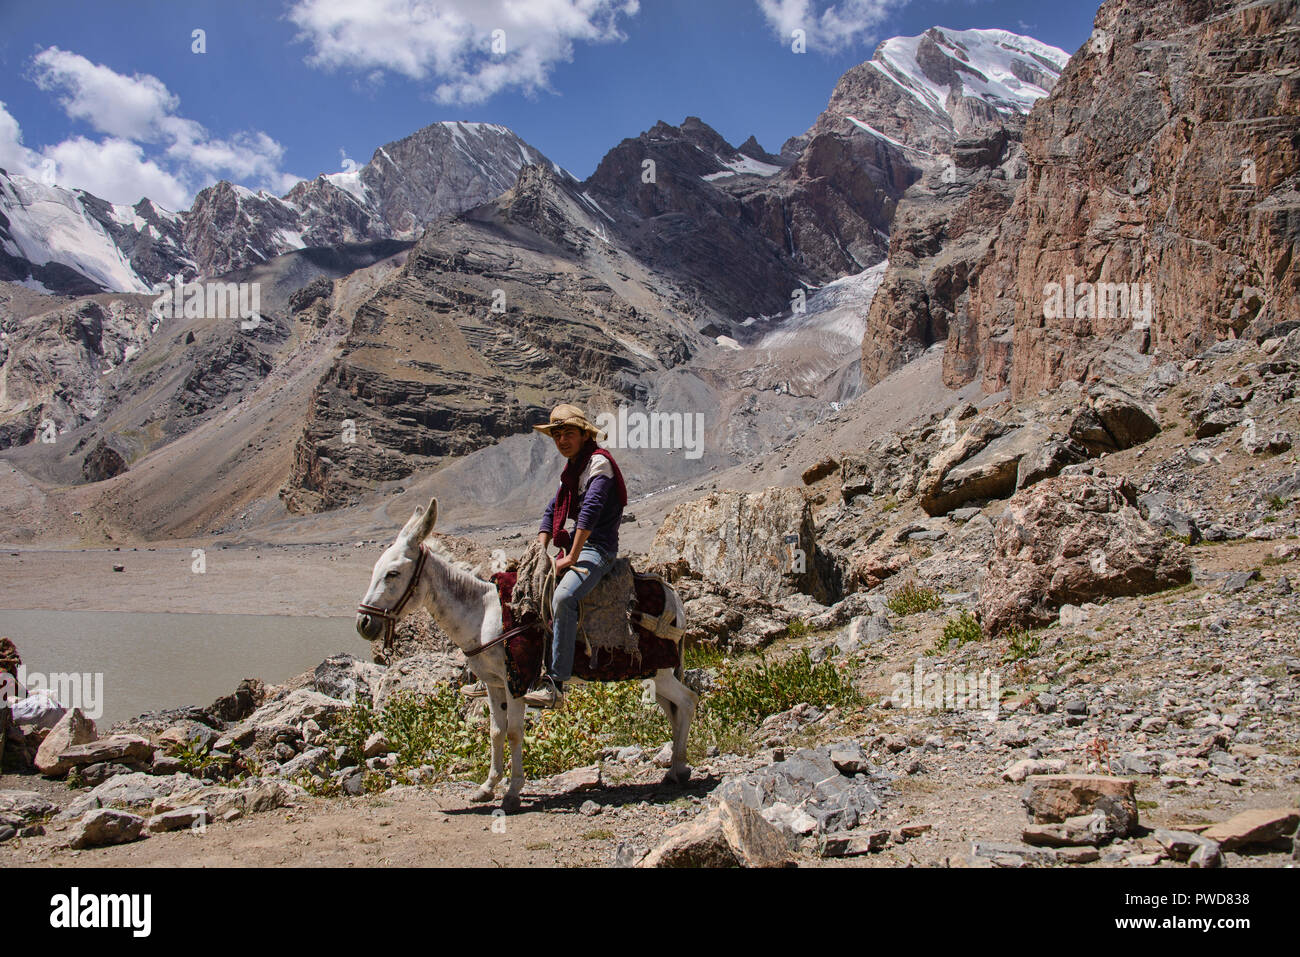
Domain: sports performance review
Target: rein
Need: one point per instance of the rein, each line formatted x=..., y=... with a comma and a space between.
x=390, y=617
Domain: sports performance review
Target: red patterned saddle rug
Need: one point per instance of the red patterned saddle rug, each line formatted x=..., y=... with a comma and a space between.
x=525, y=651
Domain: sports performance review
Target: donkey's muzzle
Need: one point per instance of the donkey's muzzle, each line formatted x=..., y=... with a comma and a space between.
x=369, y=626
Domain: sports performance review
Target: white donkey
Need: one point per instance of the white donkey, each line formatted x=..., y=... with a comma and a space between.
x=410, y=574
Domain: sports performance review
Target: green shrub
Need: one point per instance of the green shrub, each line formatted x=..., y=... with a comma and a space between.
x=958, y=631
x=430, y=730
x=912, y=598
x=1021, y=644
x=746, y=695
x=702, y=655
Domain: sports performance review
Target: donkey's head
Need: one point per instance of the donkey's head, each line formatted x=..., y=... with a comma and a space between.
x=395, y=579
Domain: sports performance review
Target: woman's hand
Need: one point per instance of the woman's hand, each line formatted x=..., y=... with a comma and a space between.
x=564, y=563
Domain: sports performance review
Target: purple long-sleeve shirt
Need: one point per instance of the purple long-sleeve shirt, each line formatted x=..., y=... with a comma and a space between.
x=599, y=509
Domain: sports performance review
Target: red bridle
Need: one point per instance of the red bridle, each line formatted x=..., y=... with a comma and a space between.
x=390, y=617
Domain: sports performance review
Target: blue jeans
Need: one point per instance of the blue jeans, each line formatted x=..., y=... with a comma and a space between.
x=576, y=582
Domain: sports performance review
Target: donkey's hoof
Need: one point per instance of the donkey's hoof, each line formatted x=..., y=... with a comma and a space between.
x=510, y=803
x=679, y=776
x=481, y=793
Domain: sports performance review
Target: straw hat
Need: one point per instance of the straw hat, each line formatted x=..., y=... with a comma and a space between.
x=563, y=415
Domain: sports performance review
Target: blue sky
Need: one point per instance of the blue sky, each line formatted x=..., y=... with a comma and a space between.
x=110, y=96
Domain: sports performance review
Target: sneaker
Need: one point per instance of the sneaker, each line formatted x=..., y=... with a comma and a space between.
x=477, y=690
x=547, y=694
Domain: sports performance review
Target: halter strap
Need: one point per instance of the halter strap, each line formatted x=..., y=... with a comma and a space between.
x=390, y=617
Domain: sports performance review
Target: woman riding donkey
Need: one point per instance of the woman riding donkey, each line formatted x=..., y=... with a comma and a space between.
x=592, y=493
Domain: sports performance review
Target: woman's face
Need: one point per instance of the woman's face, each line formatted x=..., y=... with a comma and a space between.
x=569, y=440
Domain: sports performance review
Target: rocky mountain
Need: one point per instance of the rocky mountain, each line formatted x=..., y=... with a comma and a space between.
x=69, y=241
x=439, y=170
x=1160, y=200
x=922, y=93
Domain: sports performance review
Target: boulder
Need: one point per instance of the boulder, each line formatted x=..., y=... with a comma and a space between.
x=1055, y=798
x=880, y=469
x=1157, y=508
x=1113, y=422
x=27, y=805
x=807, y=784
x=729, y=835
x=252, y=796
x=872, y=566
x=191, y=734
x=133, y=789
x=960, y=472
x=1085, y=830
x=422, y=673
x=815, y=473
x=345, y=677
x=696, y=843
x=1181, y=845
x=130, y=749
x=290, y=711
x=105, y=826
x=1047, y=460
x=1221, y=409
x=247, y=698
x=579, y=779
x=179, y=820
x=765, y=539
x=1072, y=539
x=74, y=728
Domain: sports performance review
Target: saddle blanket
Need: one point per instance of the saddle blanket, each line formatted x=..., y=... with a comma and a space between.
x=525, y=651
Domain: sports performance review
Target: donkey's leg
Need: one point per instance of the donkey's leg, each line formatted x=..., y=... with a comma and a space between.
x=514, y=712
x=678, y=702
x=497, y=697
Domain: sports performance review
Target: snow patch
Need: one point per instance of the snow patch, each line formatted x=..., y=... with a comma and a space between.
x=350, y=183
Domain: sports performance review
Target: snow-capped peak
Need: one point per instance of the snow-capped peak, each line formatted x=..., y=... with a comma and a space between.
x=1005, y=70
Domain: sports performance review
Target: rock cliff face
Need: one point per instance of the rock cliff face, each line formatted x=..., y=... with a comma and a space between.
x=1164, y=165
x=55, y=367
x=939, y=236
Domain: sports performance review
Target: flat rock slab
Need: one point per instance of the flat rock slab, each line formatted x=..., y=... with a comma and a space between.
x=1254, y=828
x=119, y=749
x=853, y=844
x=27, y=805
x=1052, y=798
x=579, y=779
x=179, y=820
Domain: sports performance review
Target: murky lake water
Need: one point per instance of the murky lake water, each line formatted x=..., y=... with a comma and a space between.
x=152, y=661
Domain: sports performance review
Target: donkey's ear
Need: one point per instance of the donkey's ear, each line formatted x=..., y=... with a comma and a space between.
x=426, y=520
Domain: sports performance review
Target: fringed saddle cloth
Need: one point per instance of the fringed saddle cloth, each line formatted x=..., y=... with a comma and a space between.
x=625, y=629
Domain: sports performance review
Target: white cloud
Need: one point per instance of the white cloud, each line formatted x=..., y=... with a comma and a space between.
x=15, y=157
x=116, y=170
x=452, y=41
x=130, y=107
x=135, y=112
x=828, y=27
